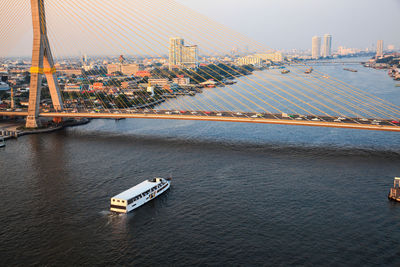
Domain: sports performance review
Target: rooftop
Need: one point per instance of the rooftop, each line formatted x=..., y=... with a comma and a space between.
x=136, y=190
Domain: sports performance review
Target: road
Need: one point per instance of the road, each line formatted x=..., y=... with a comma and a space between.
x=249, y=117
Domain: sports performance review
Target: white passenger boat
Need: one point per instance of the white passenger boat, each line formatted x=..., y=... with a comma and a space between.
x=139, y=195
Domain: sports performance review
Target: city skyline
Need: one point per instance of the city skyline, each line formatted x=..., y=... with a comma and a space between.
x=289, y=31
x=289, y=24
x=159, y=137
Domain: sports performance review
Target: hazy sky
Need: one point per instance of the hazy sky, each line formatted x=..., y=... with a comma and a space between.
x=144, y=26
x=292, y=23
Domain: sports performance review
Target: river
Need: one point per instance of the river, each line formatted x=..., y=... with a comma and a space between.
x=242, y=194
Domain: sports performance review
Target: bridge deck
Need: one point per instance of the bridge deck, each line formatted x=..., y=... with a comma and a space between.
x=226, y=117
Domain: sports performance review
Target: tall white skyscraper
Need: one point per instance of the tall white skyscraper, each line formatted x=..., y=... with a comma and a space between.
x=316, y=47
x=379, y=48
x=181, y=55
x=327, y=50
x=175, y=51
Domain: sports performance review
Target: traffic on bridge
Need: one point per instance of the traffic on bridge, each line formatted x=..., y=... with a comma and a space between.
x=231, y=116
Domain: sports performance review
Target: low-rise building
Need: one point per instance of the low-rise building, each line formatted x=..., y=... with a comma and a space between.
x=159, y=81
x=98, y=86
x=70, y=87
x=181, y=81
x=125, y=69
x=69, y=72
x=143, y=73
x=129, y=85
x=275, y=57
x=249, y=60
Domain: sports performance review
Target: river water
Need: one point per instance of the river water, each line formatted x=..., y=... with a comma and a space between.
x=242, y=194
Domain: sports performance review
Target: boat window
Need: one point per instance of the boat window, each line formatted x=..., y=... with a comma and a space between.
x=118, y=207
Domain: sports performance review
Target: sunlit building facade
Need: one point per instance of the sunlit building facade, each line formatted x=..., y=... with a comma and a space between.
x=379, y=48
x=327, y=49
x=249, y=60
x=275, y=57
x=316, y=47
x=125, y=69
x=181, y=56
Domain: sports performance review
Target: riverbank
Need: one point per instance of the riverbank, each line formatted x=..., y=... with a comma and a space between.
x=15, y=129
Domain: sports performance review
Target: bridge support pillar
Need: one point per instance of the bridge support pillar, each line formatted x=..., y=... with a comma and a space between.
x=42, y=64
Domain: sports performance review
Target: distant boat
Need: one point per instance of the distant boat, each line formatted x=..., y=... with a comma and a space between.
x=285, y=71
x=397, y=85
x=352, y=70
x=326, y=77
x=2, y=142
x=308, y=71
x=394, y=193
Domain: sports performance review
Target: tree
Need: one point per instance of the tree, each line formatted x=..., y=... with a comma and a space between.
x=122, y=101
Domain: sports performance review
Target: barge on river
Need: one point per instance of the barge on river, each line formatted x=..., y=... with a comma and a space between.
x=394, y=193
x=138, y=195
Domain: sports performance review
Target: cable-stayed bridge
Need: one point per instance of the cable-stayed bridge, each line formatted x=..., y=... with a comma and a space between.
x=128, y=27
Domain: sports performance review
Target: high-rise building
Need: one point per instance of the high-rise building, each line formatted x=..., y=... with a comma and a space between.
x=181, y=56
x=175, y=51
x=327, y=49
x=379, y=48
x=84, y=60
x=316, y=47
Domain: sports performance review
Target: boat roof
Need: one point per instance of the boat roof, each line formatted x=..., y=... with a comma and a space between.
x=136, y=190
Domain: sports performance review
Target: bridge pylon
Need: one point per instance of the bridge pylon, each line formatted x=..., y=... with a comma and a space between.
x=42, y=64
